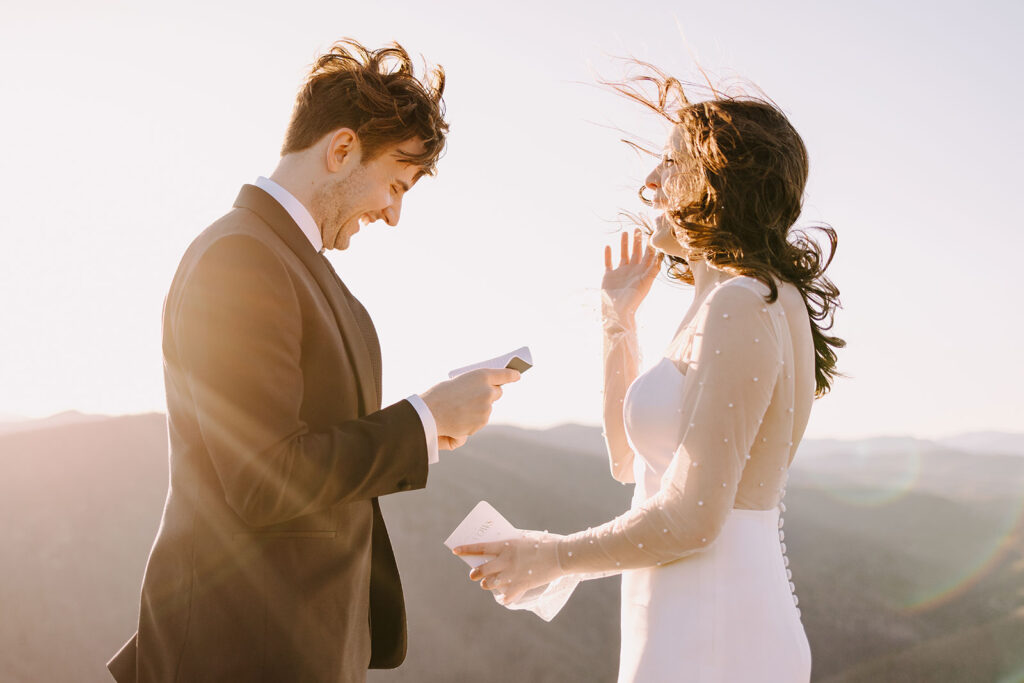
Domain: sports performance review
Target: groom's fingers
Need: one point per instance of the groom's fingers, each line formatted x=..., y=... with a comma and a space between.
x=450, y=443
x=462, y=406
x=497, y=377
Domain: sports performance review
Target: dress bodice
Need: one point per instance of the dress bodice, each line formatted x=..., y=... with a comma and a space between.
x=651, y=413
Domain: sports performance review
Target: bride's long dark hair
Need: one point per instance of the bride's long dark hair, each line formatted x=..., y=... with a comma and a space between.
x=743, y=197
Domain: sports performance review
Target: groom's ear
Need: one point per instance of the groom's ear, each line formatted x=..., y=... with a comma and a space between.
x=342, y=146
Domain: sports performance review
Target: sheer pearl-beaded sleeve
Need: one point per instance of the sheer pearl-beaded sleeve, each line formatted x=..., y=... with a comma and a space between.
x=730, y=376
x=621, y=364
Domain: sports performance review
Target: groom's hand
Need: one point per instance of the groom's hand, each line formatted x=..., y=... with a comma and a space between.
x=450, y=443
x=462, y=406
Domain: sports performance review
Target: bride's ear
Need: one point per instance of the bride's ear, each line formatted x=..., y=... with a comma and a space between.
x=342, y=147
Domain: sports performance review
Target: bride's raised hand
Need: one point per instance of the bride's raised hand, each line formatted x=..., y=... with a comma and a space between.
x=624, y=287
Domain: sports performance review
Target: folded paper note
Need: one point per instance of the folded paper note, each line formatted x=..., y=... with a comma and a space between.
x=520, y=360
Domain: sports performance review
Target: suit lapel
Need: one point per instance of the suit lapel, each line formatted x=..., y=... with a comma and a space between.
x=267, y=208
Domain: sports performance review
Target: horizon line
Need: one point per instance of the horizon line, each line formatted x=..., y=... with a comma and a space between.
x=8, y=419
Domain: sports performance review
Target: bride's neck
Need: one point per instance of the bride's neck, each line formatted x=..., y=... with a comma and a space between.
x=706, y=277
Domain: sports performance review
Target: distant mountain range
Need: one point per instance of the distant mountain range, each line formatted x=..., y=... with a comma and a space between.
x=588, y=439
x=987, y=442
x=908, y=555
x=10, y=424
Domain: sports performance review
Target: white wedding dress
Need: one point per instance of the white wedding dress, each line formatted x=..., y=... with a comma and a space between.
x=706, y=590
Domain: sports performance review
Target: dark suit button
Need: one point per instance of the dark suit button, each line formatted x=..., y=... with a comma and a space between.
x=404, y=485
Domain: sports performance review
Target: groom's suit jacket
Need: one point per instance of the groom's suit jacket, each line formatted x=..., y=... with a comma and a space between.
x=272, y=562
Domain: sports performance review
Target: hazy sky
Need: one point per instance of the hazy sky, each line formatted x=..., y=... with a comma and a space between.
x=126, y=128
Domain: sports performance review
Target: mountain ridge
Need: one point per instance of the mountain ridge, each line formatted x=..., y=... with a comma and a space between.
x=588, y=438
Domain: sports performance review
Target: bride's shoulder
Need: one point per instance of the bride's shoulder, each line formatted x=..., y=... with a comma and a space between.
x=738, y=297
x=745, y=295
x=745, y=282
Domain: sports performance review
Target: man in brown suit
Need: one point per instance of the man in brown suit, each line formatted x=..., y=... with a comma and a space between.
x=272, y=562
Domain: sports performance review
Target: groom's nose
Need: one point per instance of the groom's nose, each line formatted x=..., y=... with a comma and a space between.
x=392, y=212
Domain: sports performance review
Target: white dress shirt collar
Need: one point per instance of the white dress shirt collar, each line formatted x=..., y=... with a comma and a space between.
x=299, y=213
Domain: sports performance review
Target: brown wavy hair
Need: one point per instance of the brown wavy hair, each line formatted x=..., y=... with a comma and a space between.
x=743, y=197
x=375, y=93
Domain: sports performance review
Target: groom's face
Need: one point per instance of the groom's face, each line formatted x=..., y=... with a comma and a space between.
x=364, y=192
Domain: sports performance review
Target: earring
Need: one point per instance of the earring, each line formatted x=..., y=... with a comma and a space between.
x=645, y=200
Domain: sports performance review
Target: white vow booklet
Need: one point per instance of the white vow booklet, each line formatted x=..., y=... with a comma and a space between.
x=485, y=524
x=482, y=525
x=520, y=360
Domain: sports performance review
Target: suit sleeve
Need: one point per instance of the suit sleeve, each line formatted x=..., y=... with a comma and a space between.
x=730, y=379
x=238, y=335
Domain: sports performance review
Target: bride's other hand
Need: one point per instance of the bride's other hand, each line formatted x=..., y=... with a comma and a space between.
x=625, y=286
x=518, y=565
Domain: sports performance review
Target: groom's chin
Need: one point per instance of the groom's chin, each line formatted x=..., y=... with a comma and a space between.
x=341, y=242
x=345, y=235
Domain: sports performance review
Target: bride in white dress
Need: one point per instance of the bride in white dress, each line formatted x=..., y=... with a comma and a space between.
x=707, y=434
